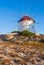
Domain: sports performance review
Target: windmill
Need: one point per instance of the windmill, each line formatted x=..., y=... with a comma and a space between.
x=25, y=23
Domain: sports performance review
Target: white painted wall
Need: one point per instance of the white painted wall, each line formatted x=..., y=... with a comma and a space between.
x=26, y=25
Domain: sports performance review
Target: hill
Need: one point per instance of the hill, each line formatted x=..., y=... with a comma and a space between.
x=21, y=50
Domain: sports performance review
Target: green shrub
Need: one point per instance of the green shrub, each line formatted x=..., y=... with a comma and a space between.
x=24, y=33
x=14, y=31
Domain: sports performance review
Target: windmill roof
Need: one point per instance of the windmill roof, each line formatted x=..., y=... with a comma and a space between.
x=26, y=18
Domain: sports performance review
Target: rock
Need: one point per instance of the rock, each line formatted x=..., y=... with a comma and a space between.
x=21, y=54
x=38, y=59
x=19, y=61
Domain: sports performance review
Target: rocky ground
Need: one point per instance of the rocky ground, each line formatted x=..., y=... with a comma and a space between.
x=20, y=51
x=20, y=55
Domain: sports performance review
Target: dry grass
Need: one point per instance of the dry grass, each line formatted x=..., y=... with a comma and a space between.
x=23, y=48
x=34, y=44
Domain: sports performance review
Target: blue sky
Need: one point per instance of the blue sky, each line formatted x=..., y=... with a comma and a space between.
x=12, y=10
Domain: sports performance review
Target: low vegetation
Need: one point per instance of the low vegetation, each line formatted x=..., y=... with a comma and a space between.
x=18, y=51
x=23, y=54
x=24, y=33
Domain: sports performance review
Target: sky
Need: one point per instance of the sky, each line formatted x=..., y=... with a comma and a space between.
x=12, y=10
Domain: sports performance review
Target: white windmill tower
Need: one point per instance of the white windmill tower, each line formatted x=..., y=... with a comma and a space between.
x=26, y=23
